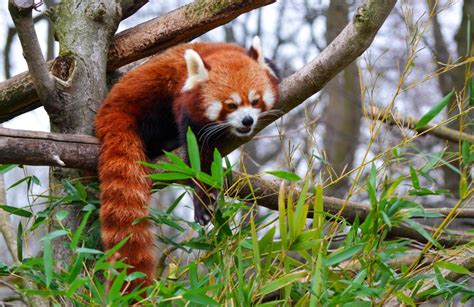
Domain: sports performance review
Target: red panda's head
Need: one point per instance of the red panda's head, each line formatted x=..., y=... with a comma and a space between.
x=236, y=87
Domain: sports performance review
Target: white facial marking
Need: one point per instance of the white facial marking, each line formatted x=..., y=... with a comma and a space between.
x=235, y=97
x=197, y=72
x=257, y=46
x=235, y=119
x=268, y=98
x=213, y=110
x=253, y=95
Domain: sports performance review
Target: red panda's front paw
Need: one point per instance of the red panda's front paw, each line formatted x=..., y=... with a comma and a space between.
x=204, y=206
x=202, y=214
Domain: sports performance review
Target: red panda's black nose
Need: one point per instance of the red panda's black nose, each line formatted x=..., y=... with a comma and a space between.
x=247, y=121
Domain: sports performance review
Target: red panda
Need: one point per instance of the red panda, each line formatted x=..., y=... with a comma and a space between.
x=214, y=88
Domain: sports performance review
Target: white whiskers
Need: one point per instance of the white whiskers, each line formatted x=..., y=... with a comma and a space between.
x=275, y=112
x=211, y=130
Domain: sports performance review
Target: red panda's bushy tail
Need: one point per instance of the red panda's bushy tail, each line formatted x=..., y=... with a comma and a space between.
x=124, y=194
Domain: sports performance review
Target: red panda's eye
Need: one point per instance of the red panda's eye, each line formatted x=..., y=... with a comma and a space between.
x=254, y=102
x=232, y=106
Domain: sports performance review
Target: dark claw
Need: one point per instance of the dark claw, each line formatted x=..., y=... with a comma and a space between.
x=202, y=219
x=203, y=212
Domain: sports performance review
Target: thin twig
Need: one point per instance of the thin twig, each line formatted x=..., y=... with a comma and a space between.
x=6, y=226
x=11, y=287
x=408, y=122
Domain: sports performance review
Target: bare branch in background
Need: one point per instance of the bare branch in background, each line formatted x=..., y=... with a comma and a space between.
x=407, y=122
x=342, y=113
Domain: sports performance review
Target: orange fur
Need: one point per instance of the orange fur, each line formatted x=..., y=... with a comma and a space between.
x=156, y=88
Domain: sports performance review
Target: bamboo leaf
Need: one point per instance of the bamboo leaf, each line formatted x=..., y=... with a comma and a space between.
x=48, y=260
x=193, y=150
x=282, y=216
x=6, y=168
x=281, y=282
x=16, y=211
x=85, y=250
x=434, y=111
x=414, y=178
x=199, y=299
x=466, y=153
x=75, y=269
x=403, y=298
x=285, y=175
x=340, y=256
x=456, y=268
x=217, y=169
x=256, y=251
x=78, y=232
x=422, y=232
x=301, y=211
x=169, y=176
x=19, y=241
x=55, y=234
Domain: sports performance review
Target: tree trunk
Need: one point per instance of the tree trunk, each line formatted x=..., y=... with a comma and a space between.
x=84, y=30
x=454, y=80
x=343, y=112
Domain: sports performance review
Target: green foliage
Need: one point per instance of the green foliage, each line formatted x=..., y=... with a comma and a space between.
x=435, y=110
x=272, y=260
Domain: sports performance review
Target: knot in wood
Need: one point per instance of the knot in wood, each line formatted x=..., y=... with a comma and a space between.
x=62, y=67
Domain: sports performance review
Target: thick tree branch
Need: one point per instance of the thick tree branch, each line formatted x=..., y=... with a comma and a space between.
x=21, y=13
x=177, y=26
x=408, y=122
x=17, y=95
x=130, y=7
x=53, y=149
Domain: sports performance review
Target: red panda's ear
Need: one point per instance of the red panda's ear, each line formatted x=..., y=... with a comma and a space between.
x=197, y=70
x=256, y=53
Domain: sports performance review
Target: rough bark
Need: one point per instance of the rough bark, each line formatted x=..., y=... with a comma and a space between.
x=41, y=148
x=178, y=26
x=342, y=114
x=17, y=95
x=84, y=30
